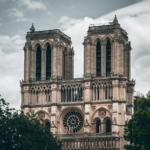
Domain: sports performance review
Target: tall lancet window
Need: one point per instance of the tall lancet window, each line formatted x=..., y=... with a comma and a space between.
x=38, y=63
x=48, y=62
x=64, y=62
x=108, y=58
x=98, y=59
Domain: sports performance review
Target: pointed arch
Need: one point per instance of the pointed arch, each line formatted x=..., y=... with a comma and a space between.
x=48, y=61
x=38, y=62
x=98, y=58
x=47, y=125
x=108, y=58
x=98, y=126
x=107, y=124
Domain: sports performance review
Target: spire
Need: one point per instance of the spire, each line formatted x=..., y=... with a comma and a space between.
x=32, y=29
x=115, y=21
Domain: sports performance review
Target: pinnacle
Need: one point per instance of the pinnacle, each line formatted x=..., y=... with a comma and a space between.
x=32, y=29
x=115, y=21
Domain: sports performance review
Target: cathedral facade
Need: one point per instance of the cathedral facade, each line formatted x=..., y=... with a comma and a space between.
x=83, y=113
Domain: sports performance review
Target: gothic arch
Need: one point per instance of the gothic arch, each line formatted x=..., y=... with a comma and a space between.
x=36, y=44
x=46, y=117
x=96, y=39
x=108, y=113
x=66, y=109
x=46, y=43
x=106, y=38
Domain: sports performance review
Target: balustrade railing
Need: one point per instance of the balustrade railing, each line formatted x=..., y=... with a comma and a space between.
x=90, y=142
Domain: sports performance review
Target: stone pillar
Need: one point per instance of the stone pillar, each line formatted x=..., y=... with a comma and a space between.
x=26, y=64
x=54, y=127
x=43, y=64
x=54, y=93
x=129, y=69
x=112, y=57
x=101, y=93
x=87, y=63
x=87, y=92
x=54, y=60
x=93, y=60
x=93, y=92
x=58, y=100
x=103, y=60
x=115, y=91
x=87, y=118
x=33, y=64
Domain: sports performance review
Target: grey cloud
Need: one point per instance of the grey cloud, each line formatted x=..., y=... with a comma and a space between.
x=18, y=15
x=32, y=4
x=11, y=44
x=11, y=68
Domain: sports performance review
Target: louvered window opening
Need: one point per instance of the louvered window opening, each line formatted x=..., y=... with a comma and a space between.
x=48, y=62
x=98, y=59
x=38, y=63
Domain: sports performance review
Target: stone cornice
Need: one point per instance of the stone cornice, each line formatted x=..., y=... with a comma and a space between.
x=48, y=34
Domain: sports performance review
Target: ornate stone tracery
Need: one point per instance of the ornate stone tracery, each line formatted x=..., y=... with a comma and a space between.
x=73, y=122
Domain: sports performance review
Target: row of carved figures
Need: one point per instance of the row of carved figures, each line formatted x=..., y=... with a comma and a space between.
x=89, y=143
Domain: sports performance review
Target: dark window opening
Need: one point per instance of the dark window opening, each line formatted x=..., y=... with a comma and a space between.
x=108, y=58
x=48, y=62
x=98, y=123
x=47, y=126
x=38, y=63
x=108, y=126
x=98, y=59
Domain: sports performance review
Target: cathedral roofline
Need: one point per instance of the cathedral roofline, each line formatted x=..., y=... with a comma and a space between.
x=47, y=33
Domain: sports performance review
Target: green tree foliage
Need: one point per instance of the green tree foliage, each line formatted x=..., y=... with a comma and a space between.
x=23, y=132
x=137, y=129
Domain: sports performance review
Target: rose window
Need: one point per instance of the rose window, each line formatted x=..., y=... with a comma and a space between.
x=73, y=122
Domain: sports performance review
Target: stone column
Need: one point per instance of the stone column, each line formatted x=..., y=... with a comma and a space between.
x=54, y=93
x=58, y=100
x=33, y=64
x=129, y=69
x=92, y=59
x=103, y=60
x=93, y=91
x=101, y=93
x=87, y=91
x=61, y=61
x=54, y=119
x=43, y=64
x=54, y=60
x=87, y=56
x=27, y=62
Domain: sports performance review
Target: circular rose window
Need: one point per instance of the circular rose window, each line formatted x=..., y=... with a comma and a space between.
x=73, y=122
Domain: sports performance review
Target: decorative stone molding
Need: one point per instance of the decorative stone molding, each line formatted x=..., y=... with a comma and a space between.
x=86, y=123
x=49, y=110
x=114, y=121
x=41, y=115
x=32, y=111
x=93, y=107
x=53, y=125
x=102, y=113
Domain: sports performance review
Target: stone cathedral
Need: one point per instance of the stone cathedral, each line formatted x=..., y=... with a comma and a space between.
x=83, y=113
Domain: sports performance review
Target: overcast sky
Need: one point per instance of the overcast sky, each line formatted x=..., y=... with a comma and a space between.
x=73, y=18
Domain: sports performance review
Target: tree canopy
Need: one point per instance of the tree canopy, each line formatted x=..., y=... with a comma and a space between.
x=24, y=132
x=137, y=129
